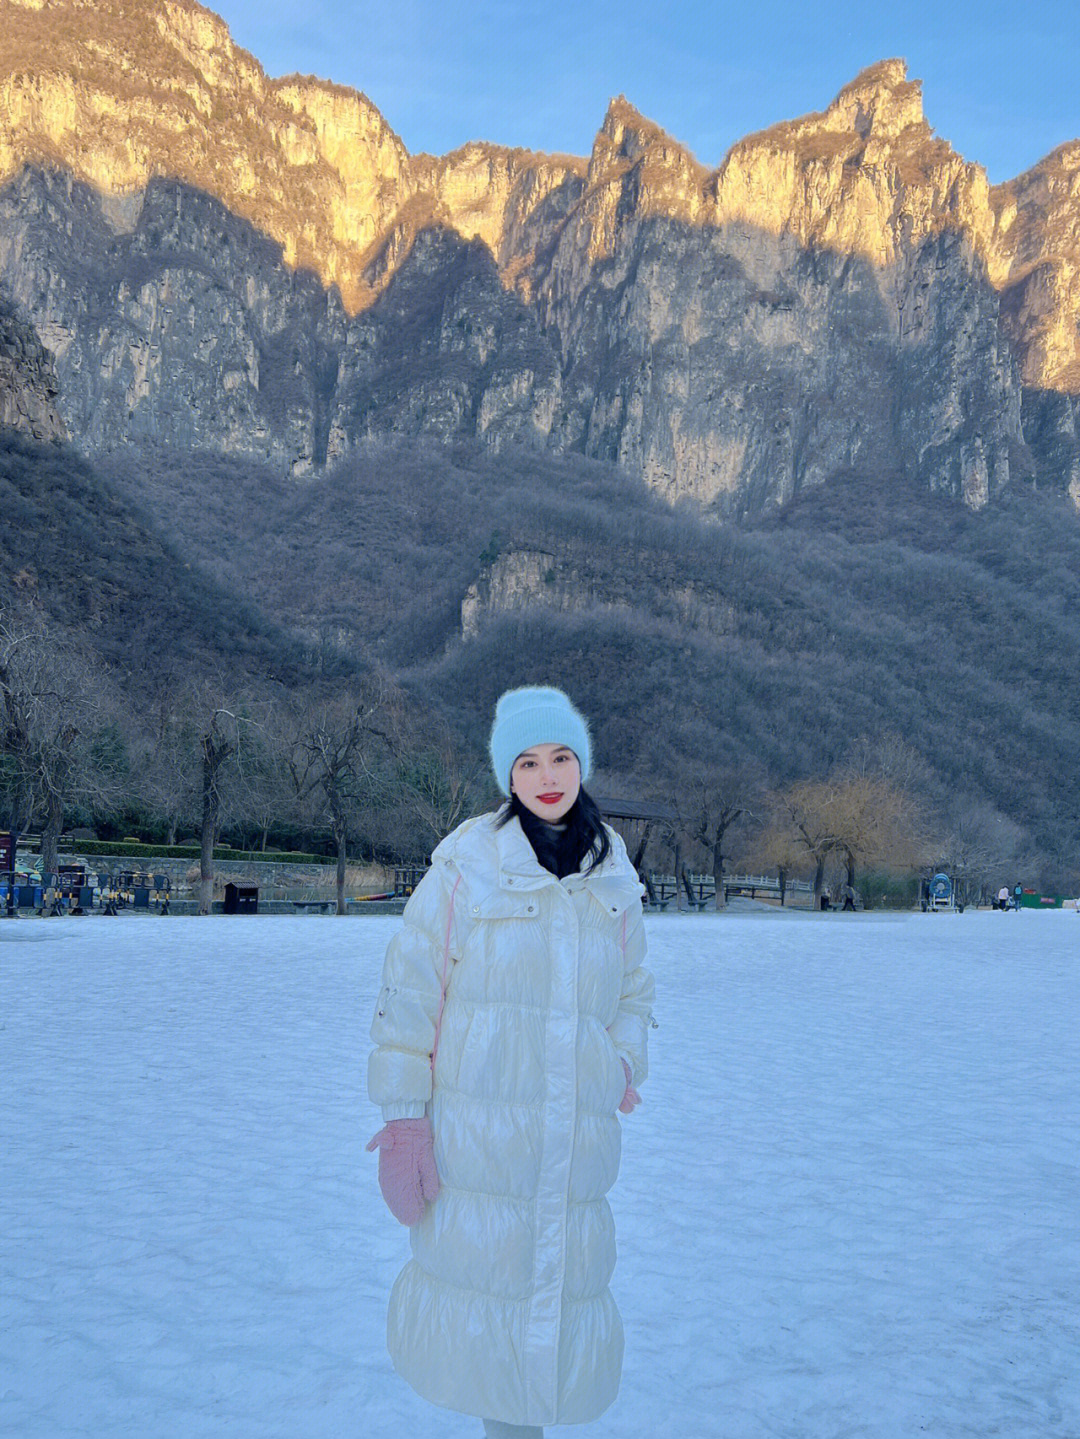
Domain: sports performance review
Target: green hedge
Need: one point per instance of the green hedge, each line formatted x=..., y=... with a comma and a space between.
x=888, y=891
x=191, y=851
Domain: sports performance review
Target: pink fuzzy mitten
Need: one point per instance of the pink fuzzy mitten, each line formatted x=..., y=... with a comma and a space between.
x=407, y=1173
x=631, y=1097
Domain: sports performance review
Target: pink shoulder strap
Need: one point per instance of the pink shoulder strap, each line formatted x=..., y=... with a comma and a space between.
x=445, y=965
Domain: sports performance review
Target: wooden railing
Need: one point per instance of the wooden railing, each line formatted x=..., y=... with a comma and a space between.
x=699, y=890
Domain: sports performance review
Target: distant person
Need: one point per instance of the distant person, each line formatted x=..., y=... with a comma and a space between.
x=510, y=1031
x=1018, y=894
x=1003, y=897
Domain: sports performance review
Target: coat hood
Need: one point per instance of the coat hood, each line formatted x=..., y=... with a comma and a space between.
x=500, y=863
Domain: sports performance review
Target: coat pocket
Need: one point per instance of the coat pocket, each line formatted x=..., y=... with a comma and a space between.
x=608, y=1076
x=620, y=1077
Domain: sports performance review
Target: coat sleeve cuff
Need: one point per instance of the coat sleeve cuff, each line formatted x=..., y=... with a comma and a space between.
x=405, y=1109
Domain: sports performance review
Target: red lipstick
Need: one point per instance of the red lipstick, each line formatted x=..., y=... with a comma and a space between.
x=549, y=798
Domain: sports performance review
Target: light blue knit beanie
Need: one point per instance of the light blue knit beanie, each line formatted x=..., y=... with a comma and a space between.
x=535, y=715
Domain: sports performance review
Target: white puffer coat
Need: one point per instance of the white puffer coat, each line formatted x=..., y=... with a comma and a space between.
x=504, y=1310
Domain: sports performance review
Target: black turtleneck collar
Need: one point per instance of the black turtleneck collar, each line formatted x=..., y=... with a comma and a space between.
x=554, y=846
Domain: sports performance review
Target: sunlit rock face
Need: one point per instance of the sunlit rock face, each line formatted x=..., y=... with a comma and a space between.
x=821, y=303
x=1037, y=265
x=216, y=258
x=120, y=92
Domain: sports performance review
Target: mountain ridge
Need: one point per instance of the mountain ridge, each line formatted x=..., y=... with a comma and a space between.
x=376, y=176
x=844, y=293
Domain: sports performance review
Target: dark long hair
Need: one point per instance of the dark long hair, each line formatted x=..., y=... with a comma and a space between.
x=563, y=851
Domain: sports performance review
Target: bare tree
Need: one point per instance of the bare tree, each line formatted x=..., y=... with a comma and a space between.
x=980, y=847
x=333, y=761
x=16, y=756
x=169, y=760
x=710, y=806
x=215, y=716
x=217, y=744
x=875, y=822
x=54, y=703
x=266, y=786
x=68, y=764
x=777, y=847
x=891, y=758
x=861, y=818
x=438, y=782
x=802, y=821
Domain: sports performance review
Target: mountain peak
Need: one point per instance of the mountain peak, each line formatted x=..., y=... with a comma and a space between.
x=880, y=105
x=626, y=136
x=881, y=100
x=628, y=129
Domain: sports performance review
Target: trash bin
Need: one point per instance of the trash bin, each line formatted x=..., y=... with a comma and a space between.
x=241, y=899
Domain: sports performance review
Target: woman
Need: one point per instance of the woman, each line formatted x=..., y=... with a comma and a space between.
x=510, y=1029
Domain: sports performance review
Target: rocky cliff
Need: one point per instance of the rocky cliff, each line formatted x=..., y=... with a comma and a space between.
x=119, y=92
x=28, y=388
x=570, y=578
x=226, y=261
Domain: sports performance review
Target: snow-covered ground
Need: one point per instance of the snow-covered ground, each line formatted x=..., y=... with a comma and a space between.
x=849, y=1206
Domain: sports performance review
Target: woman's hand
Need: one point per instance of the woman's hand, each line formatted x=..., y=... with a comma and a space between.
x=631, y=1098
x=407, y=1174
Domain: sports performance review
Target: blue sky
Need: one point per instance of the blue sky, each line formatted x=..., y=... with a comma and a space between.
x=1000, y=81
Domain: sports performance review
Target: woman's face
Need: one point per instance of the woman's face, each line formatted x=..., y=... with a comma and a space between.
x=546, y=779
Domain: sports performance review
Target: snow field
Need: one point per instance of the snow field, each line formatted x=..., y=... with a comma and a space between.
x=848, y=1205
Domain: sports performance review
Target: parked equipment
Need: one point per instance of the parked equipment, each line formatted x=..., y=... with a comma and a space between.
x=939, y=894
